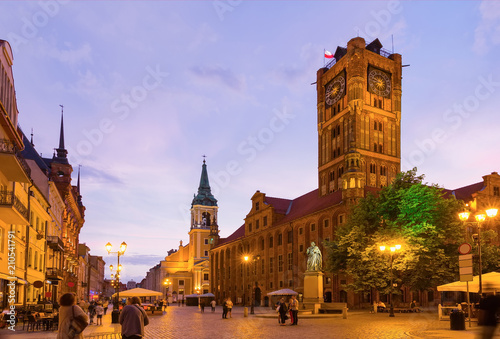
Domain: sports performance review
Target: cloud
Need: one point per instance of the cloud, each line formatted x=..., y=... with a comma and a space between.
x=219, y=74
x=488, y=29
x=141, y=259
x=69, y=55
x=93, y=175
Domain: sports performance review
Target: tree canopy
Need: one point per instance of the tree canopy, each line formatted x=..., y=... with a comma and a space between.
x=412, y=214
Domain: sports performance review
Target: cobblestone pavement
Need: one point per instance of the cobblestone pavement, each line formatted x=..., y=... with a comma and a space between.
x=188, y=322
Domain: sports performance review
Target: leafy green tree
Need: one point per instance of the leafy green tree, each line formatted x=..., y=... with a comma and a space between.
x=415, y=215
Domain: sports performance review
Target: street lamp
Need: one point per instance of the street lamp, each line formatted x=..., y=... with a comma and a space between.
x=198, y=291
x=116, y=307
x=255, y=259
x=393, y=249
x=245, y=309
x=480, y=217
x=167, y=284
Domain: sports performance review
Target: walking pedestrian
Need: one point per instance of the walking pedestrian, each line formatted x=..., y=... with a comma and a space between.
x=281, y=309
x=212, y=303
x=105, y=305
x=294, y=310
x=229, y=305
x=92, y=312
x=99, y=311
x=67, y=312
x=133, y=318
x=202, y=307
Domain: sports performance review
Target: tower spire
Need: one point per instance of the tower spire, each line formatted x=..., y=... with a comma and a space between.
x=204, y=196
x=61, y=151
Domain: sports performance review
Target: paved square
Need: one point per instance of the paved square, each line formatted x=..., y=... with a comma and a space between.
x=188, y=322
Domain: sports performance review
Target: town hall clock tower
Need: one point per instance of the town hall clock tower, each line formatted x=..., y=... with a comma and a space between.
x=359, y=115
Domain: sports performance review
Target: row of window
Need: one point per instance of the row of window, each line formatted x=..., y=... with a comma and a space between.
x=257, y=222
x=373, y=169
x=326, y=223
x=37, y=263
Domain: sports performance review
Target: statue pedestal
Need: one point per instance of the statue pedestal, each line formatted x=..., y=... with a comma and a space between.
x=313, y=290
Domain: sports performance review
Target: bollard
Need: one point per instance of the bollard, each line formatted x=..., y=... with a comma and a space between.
x=344, y=312
x=245, y=311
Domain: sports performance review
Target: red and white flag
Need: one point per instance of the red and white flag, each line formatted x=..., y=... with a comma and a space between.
x=328, y=54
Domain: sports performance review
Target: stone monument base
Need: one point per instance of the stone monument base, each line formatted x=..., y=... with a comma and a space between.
x=313, y=291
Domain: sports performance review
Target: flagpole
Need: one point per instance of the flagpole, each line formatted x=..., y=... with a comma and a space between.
x=324, y=58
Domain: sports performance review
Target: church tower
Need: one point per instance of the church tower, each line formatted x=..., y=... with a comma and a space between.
x=359, y=114
x=204, y=232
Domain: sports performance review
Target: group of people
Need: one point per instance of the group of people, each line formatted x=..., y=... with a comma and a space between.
x=227, y=308
x=290, y=310
x=94, y=309
x=132, y=318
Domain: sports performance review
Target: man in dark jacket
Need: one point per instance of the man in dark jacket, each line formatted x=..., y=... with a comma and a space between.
x=133, y=318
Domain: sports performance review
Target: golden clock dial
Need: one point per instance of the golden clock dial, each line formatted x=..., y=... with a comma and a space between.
x=379, y=82
x=335, y=90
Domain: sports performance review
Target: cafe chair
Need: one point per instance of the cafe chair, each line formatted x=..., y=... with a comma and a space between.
x=32, y=322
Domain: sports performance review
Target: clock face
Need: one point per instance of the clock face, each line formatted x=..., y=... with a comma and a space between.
x=379, y=82
x=335, y=90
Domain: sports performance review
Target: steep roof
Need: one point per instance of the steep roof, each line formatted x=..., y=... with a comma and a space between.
x=293, y=209
x=239, y=233
x=465, y=193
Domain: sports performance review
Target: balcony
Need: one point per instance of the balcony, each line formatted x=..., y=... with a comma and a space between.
x=55, y=243
x=12, y=209
x=54, y=274
x=12, y=164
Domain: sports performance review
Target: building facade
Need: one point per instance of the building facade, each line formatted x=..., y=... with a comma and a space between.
x=359, y=150
x=15, y=180
x=358, y=121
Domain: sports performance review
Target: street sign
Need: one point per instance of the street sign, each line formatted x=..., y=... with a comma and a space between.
x=465, y=248
x=465, y=265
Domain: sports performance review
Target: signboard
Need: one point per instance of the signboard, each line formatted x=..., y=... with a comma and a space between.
x=465, y=248
x=465, y=266
x=38, y=284
x=48, y=294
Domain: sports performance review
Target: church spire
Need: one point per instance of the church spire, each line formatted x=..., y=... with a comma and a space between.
x=204, y=196
x=79, y=195
x=62, y=153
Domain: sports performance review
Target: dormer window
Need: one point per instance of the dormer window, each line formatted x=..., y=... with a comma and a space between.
x=257, y=206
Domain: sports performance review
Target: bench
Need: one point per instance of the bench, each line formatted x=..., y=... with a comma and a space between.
x=332, y=308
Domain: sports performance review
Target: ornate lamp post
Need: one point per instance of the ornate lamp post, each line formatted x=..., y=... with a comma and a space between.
x=167, y=284
x=116, y=309
x=480, y=217
x=393, y=249
x=255, y=259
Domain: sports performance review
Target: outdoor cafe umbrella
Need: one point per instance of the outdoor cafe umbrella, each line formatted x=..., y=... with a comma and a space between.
x=139, y=292
x=490, y=282
x=284, y=291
